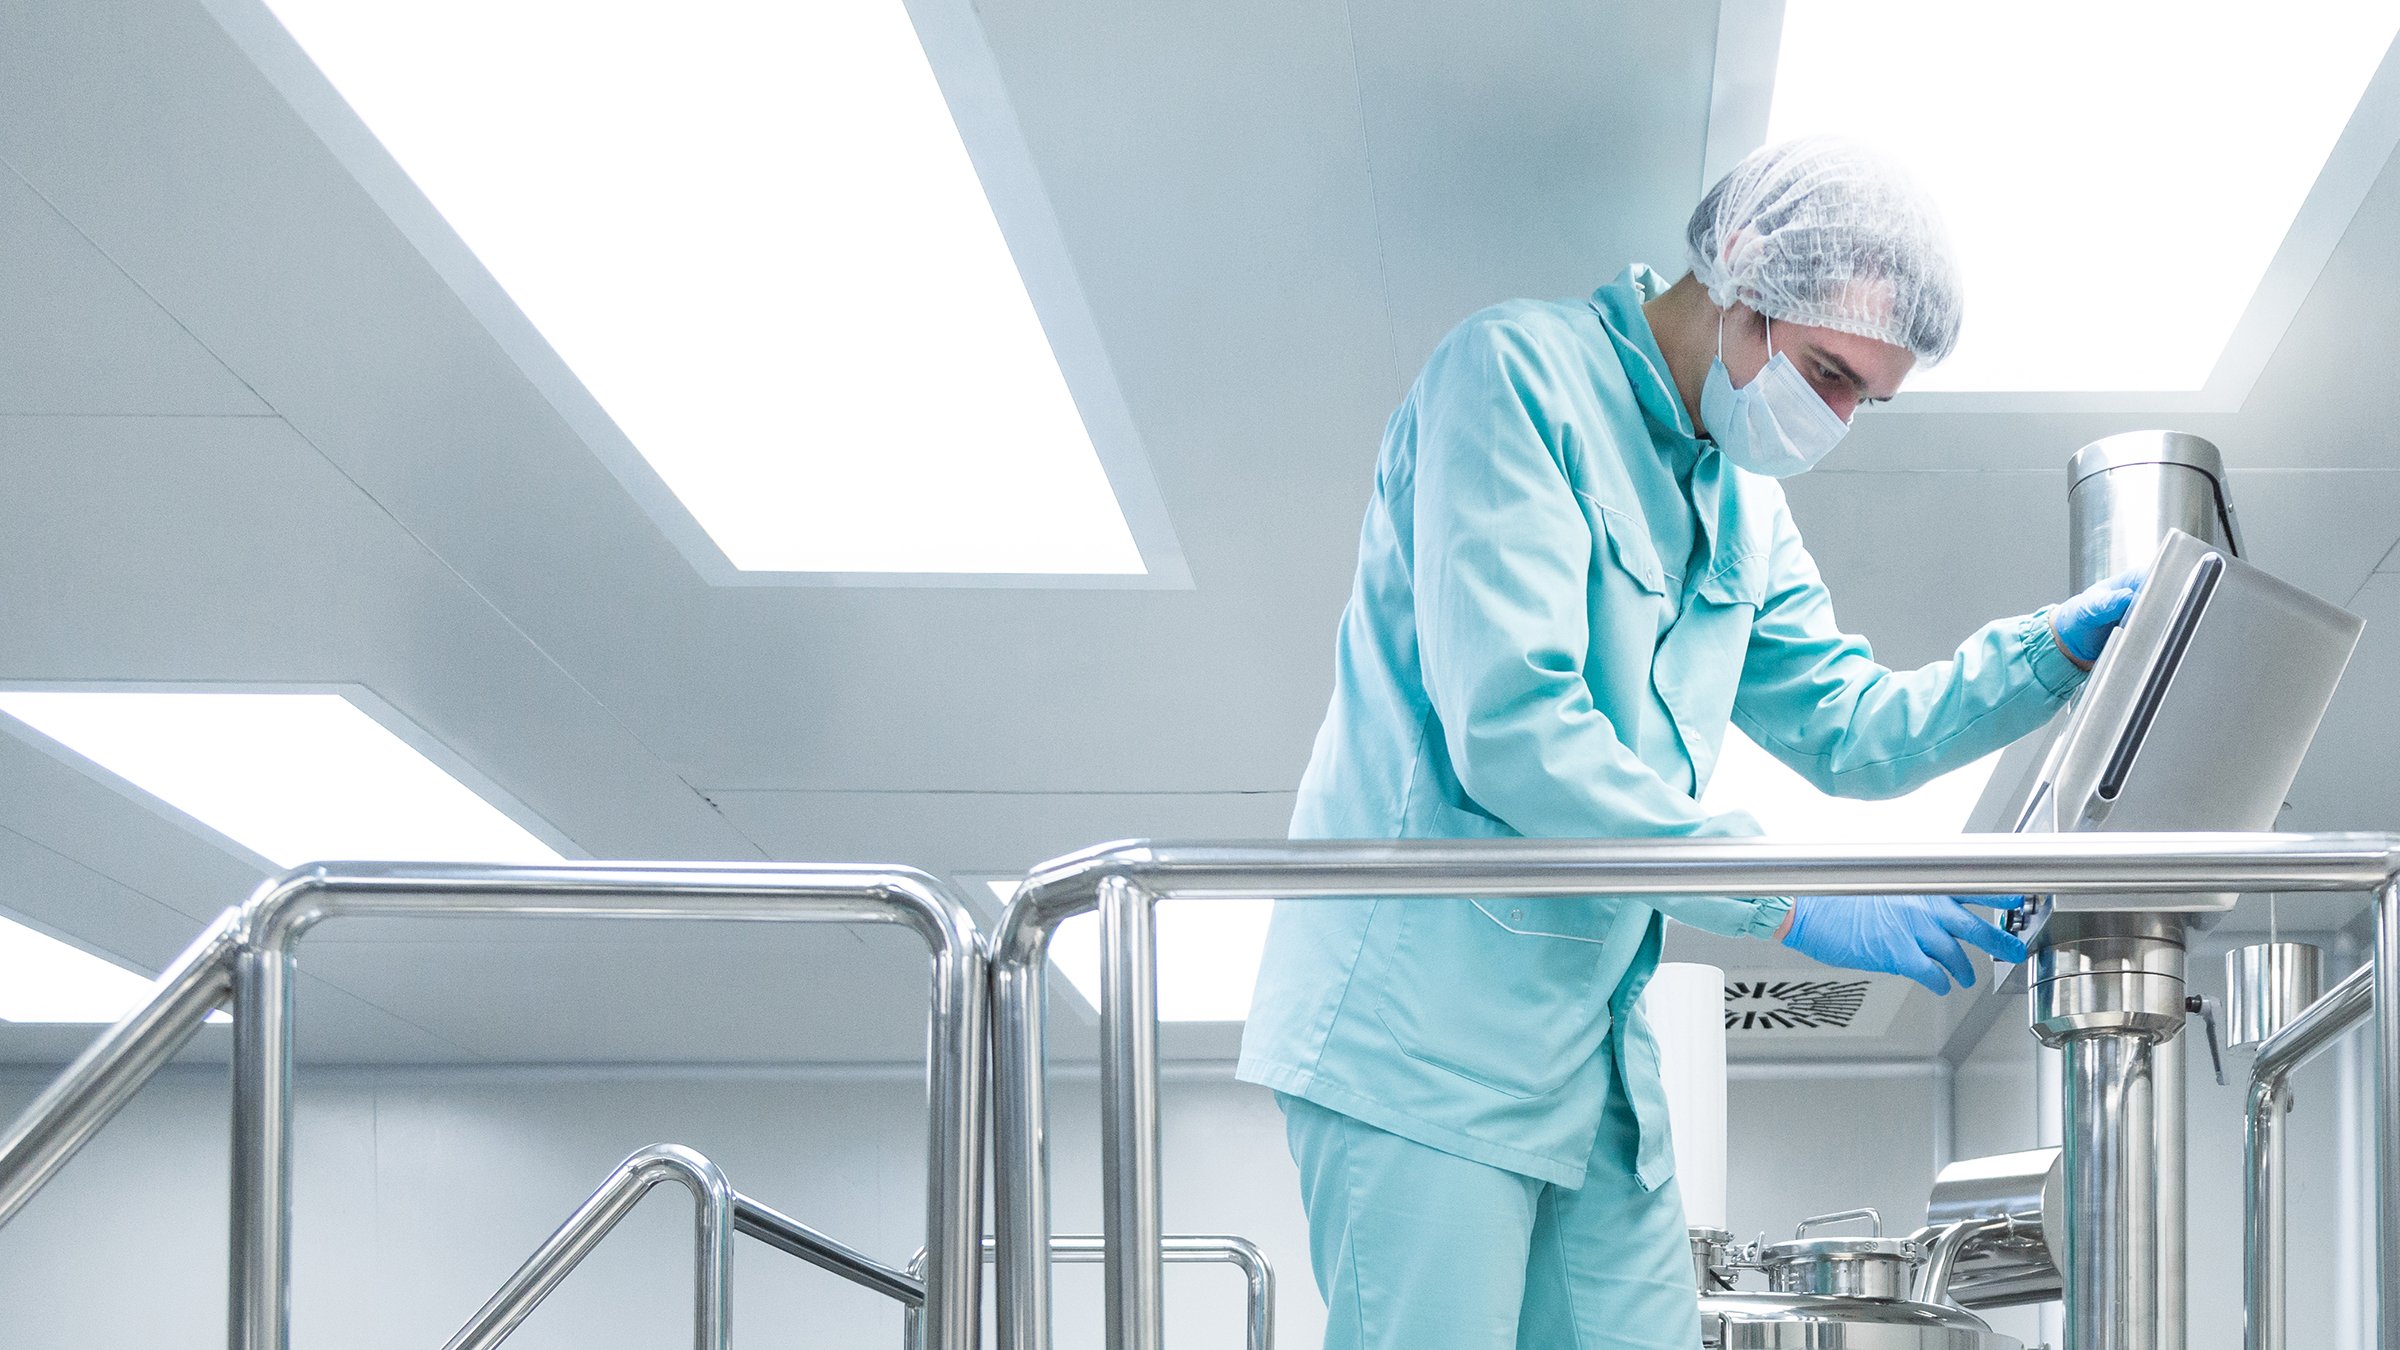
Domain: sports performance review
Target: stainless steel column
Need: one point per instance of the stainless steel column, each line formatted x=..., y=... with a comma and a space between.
x=2111, y=1273
x=1129, y=1196
x=2108, y=993
x=2124, y=494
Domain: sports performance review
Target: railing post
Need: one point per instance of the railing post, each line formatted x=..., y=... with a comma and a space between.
x=2387, y=1116
x=1129, y=1144
x=1021, y=1130
x=259, y=1261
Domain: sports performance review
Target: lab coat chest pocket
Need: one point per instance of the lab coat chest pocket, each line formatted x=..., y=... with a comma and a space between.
x=1700, y=662
x=1624, y=562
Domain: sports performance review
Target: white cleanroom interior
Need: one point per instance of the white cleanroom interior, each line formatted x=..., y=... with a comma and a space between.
x=269, y=424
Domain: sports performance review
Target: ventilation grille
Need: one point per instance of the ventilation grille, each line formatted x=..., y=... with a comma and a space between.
x=1778, y=1004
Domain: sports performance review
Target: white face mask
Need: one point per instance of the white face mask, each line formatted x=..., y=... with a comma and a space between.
x=1776, y=424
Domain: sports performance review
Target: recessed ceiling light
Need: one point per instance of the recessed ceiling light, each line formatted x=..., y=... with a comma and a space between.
x=2116, y=177
x=1788, y=806
x=45, y=980
x=292, y=777
x=752, y=230
x=1208, y=954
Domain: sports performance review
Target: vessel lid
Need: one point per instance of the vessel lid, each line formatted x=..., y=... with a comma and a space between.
x=2147, y=447
x=1838, y=1308
x=1798, y=1250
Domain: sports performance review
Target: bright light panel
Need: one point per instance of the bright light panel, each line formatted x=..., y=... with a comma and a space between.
x=751, y=228
x=1788, y=806
x=293, y=778
x=1207, y=955
x=2116, y=177
x=45, y=980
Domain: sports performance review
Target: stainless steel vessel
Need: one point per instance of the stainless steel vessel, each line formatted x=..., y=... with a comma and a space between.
x=1836, y=1293
x=2267, y=986
x=1823, y=1322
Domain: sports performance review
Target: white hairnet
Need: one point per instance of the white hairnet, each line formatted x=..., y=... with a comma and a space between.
x=1824, y=231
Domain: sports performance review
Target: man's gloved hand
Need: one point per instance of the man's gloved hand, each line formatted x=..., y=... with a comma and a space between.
x=2083, y=621
x=1919, y=936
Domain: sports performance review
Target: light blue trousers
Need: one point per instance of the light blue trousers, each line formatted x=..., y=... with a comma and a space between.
x=1417, y=1249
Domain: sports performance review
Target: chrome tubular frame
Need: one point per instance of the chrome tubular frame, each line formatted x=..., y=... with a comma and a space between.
x=2317, y=1027
x=563, y=1250
x=290, y=905
x=722, y=1212
x=1258, y=1277
x=1124, y=881
x=794, y=1238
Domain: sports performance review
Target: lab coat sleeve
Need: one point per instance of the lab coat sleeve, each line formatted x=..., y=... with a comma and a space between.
x=1815, y=697
x=1503, y=559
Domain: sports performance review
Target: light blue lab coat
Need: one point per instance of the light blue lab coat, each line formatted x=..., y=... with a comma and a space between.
x=1562, y=598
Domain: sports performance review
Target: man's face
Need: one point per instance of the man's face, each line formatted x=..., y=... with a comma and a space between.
x=1845, y=369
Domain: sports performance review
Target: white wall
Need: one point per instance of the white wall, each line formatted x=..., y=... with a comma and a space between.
x=420, y=1189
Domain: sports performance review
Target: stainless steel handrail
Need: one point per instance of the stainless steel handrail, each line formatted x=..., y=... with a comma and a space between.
x=794, y=1238
x=1124, y=881
x=712, y=1261
x=722, y=1212
x=288, y=906
x=1258, y=1277
x=106, y=1075
x=2317, y=1027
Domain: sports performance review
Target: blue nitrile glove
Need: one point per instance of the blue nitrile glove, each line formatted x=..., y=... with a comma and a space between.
x=1919, y=936
x=2083, y=621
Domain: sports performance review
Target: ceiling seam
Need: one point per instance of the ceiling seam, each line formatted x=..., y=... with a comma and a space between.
x=1366, y=147
x=109, y=877
x=135, y=282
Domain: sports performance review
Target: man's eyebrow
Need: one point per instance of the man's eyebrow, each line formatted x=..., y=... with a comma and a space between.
x=1842, y=368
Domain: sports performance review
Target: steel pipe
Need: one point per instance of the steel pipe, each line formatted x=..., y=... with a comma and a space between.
x=288, y=906
x=794, y=1238
x=105, y=1076
x=1515, y=868
x=1258, y=1277
x=712, y=1263
x=2302, y=1039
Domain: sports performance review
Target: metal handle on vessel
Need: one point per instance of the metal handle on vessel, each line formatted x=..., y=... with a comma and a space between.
x=1869, y=1213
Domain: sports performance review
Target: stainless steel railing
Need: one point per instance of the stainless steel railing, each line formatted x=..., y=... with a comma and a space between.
x=104, y=1077
x=1258, y=1323
x=1125, y=881
x=2263, y=1233
x=251, y=953
x=721, y=1211
x=563, y=1250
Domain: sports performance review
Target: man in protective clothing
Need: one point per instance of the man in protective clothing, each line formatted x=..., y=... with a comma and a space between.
x=1576, y=570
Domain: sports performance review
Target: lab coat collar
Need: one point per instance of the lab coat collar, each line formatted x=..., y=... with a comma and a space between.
x=1619, y=305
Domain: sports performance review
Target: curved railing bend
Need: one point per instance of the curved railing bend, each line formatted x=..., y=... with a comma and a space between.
x=2263, y=1233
